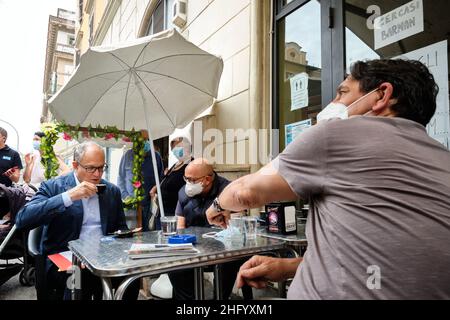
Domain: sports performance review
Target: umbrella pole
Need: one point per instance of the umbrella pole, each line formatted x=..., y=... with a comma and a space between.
x=155, y=170
x=139, y=215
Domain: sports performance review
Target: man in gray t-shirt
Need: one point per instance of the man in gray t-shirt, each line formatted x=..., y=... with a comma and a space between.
x=378, y=188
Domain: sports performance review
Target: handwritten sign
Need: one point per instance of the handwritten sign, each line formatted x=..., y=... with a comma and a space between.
x=399, y=24
x=436, y=59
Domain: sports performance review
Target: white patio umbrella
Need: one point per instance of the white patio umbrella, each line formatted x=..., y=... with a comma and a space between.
x=158, y=83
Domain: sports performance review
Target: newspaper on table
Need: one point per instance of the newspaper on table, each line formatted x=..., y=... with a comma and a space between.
x=157, y=250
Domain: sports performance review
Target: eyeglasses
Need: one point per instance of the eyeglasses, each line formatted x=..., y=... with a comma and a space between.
x=193, y=180
x=93, y=169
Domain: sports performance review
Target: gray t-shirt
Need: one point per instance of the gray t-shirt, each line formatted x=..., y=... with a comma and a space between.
x=379, y=220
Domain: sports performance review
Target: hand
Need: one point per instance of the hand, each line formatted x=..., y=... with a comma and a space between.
x=83, y=190
x=153, y=191
x=217, y=218
x=29, y=159
x=258, y=270
x=10, y=172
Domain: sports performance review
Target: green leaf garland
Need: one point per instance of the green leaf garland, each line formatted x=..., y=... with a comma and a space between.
x=51, y=165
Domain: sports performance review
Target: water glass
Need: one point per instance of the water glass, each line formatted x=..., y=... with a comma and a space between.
x=250, y=226
x=235, y=226
x=169, y=225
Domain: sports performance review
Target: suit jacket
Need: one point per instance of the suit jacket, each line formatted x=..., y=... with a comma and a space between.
x=62, y=224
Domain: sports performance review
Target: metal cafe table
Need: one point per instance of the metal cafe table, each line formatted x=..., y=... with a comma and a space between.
x=297, y=242
x=108, y=259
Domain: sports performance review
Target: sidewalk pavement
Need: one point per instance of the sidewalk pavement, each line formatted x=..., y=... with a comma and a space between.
x=13, y=290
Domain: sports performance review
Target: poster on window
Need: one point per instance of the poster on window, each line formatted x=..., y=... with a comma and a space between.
x=292, y=130
x=435, y=57
x=299, y=91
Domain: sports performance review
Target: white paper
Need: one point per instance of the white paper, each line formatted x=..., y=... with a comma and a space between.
x=67, y=255
x=435, y=57
x=156, y=250
x=399, y=24
x=299, y=91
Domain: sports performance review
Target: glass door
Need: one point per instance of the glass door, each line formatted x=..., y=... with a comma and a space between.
x=299, y=66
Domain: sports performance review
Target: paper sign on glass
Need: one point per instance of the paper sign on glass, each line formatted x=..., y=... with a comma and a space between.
x=398, y=24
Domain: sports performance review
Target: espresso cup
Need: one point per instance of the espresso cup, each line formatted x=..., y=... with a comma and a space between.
x=101, y=187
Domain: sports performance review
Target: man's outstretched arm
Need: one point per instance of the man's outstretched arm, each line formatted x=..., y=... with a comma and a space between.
x=251, y=191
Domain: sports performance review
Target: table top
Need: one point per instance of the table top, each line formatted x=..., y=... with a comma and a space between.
x=291, y=239
x=105, y=257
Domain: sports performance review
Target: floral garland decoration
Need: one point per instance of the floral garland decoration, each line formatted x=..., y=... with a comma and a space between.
x=51, y=165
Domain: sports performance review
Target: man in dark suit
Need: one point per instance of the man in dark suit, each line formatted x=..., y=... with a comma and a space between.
x=69, y=208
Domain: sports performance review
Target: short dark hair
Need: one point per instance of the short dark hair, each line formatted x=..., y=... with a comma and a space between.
x=414, y=85
x=3, y=132
x=40, y=134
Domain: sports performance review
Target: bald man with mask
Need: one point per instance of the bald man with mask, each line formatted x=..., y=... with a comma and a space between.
x=202, y=187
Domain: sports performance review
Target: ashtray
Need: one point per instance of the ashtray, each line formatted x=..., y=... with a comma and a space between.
x=126, y=233
x=183, y=238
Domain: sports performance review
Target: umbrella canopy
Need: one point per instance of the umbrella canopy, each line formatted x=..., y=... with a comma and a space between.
x=159, y=83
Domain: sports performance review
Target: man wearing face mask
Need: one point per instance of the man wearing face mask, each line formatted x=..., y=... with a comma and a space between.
x=34, y=170
x=125, y=178
x=378, y=189
x=202, y=187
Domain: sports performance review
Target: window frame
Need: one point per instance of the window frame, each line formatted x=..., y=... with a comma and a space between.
x=333, y=53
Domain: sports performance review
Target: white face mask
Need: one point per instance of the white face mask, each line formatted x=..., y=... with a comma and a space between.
x=193, y=189
x=338, y=109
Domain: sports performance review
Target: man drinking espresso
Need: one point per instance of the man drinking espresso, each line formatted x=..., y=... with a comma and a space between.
x=71, y=207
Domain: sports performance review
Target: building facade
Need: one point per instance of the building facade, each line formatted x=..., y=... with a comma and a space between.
x=283, y=60
x=59, y=58
x=59, y=65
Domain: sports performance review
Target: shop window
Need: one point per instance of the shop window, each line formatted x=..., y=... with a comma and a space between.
x=299, y=68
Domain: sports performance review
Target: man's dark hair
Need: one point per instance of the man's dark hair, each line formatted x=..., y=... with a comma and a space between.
x=39, y=134
x=414, y=85
x=3, y=132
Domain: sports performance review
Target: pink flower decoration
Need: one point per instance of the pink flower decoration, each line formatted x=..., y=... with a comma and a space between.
x=67, y=137
x=109, y=136
x=126, y=139
x=137, y=184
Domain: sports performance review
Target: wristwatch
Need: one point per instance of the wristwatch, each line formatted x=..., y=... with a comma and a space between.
x=217, y=206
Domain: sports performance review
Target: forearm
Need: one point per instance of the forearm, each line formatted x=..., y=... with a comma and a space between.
x=290, y=266
x=237, y=196
x=256, y=190
x=27, y=173
x=39, y=211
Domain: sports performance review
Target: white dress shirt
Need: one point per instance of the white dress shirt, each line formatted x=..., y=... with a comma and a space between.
x=91, y=214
